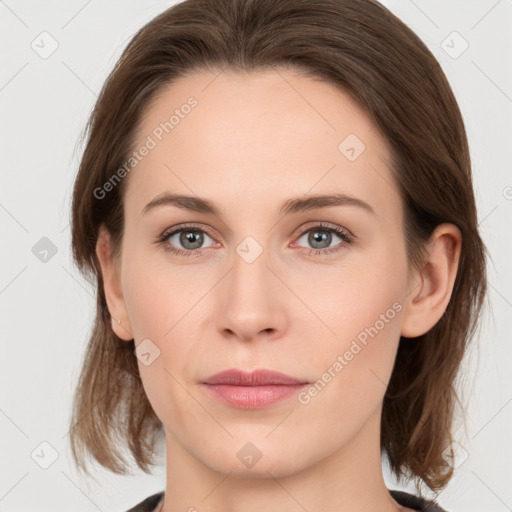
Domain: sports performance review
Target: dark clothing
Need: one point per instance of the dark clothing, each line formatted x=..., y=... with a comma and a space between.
x=403, y=498
x=149, y=504
x=415, y=502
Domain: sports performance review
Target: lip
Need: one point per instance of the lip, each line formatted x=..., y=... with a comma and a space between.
x=252, y=390
x=261, y=377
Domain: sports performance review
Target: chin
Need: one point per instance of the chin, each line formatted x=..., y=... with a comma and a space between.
x=255, y=460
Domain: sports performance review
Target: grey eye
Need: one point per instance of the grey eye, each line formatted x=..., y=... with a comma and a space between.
x=189, y=239
x=319, y=238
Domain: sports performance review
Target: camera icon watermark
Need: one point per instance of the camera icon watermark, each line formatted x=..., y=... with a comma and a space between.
x=454, y=45
x=249, y=249
x=44, y=45
x=44, y=250
x=249, y=454
x=147, y=352
x=351, y=147
x=455, y=454
x=44, y=455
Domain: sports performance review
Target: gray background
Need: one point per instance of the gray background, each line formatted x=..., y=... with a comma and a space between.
x=47, y=308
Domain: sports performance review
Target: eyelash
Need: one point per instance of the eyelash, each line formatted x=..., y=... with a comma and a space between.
x=347, y=238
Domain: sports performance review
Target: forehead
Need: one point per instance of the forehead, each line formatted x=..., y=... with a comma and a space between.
x=259, y=136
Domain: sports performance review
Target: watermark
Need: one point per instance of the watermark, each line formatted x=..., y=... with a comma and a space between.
x=158, y=133
x=249, y=249
x=335, y=368
x=351, y=147
x=249, y=454
x=44, y=250
x=454, y=45
x=44, y=455
x=44, y=45
x=455, y=454
x=147, y=352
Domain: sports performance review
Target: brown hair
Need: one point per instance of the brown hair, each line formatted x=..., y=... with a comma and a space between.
x=366, y=51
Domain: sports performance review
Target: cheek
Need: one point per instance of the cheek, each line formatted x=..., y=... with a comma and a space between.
x=159, y=308
x=157, y=294
x=364, y=293
x=164, y=306
x=147, y=302
x=353, y=368
x=362, y=307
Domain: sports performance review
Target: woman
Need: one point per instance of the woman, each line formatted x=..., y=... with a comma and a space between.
x=275, y=203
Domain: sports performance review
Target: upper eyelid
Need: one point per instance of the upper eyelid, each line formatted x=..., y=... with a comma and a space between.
x=323, y=225
x=191, y=227
x=307, y=226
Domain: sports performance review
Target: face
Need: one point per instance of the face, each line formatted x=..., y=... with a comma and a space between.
x=314, y=291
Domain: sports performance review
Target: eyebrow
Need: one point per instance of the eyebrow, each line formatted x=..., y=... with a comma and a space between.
x=293, y=205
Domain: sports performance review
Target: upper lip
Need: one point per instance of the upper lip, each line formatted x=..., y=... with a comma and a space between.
x=262, y=377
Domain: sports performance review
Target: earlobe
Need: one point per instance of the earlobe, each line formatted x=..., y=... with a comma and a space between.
x=431, y=289
x=112, y=286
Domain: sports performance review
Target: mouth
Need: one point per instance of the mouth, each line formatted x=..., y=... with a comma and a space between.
x=252, y=390
x=262, y=377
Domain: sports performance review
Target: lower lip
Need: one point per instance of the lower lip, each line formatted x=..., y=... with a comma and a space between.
x=253, y=397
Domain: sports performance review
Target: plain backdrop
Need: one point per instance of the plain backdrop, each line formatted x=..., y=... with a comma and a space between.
x=47, y=307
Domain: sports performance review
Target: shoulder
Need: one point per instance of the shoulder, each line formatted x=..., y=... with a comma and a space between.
x=415, y=502
x=149, y=504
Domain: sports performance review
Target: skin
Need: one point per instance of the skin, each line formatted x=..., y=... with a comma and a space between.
x=254, y=141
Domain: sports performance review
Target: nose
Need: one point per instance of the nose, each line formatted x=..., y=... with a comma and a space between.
x=251, y=300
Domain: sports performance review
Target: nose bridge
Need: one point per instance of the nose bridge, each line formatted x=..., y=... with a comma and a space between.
x=250, y=300
x=249, y=268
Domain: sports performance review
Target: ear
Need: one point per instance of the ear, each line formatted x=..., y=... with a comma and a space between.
x=111, y=274
x=430, y=290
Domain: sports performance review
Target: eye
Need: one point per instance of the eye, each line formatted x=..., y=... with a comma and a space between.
x=188, y=240
x=321, y=236
x=184, y=240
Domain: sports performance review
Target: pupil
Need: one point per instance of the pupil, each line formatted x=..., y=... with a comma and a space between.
x=319, y=236
x=195, y=238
